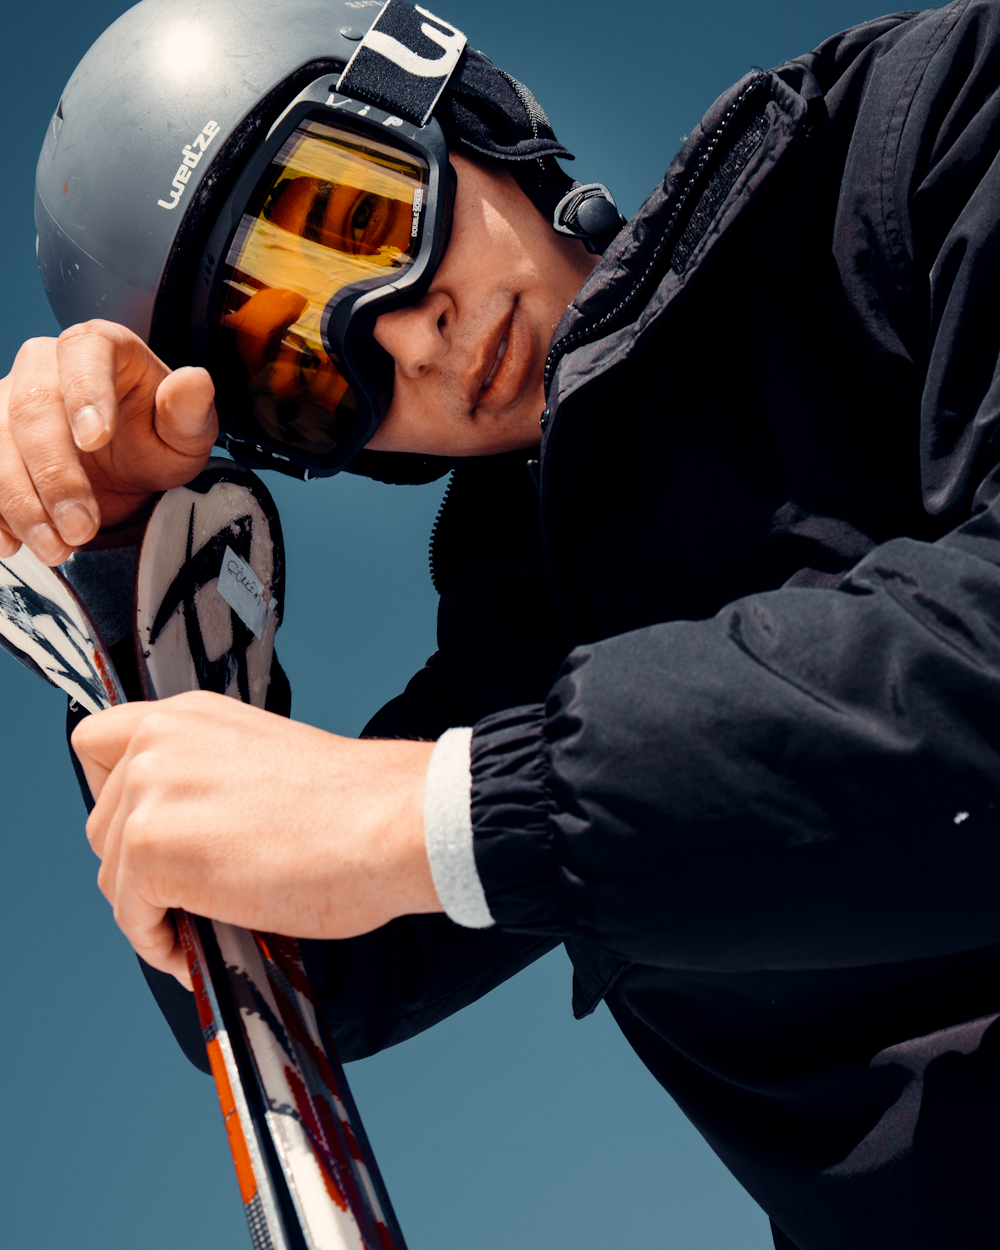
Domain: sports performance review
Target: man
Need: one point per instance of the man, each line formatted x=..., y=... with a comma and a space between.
x=737, y=745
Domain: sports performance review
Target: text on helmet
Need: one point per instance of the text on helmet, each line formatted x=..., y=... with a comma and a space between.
x=191, y=154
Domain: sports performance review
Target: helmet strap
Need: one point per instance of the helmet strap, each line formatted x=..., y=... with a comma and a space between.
x=404, y=62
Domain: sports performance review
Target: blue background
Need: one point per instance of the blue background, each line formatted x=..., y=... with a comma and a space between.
x=510, y=1125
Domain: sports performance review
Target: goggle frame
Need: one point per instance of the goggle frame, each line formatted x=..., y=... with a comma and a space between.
x=351, y=312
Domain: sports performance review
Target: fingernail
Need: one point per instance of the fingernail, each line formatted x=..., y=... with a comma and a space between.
x=88, y=426
x=74, y=520
x=46, y=544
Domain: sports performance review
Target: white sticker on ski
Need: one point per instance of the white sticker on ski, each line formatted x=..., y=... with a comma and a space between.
x=241, y=588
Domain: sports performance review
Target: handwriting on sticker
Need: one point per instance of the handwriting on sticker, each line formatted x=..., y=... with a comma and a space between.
x=243, y=590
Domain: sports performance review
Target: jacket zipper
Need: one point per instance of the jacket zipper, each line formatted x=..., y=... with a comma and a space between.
x=519, y=570
x=589, y=333
x=434, y=530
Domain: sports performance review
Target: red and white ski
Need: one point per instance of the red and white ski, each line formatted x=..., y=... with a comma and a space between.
x=208, y=599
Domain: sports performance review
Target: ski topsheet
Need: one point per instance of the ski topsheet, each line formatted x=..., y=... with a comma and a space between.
x=306, y=1172
x=45, y=626
x=208, y=599
x=209, y=588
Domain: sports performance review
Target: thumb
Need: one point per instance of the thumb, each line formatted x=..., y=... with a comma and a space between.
x=185, y=416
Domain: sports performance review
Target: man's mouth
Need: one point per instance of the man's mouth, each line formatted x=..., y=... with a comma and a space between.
x=501, y=352
x=504, y=365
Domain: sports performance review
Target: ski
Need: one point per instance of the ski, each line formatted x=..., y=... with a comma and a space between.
x=209, y=593
x=45, y=626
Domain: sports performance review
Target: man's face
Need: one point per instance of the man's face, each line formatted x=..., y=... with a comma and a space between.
x=469, y=358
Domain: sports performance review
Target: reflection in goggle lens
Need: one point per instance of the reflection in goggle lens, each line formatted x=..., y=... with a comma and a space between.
x=335, y=209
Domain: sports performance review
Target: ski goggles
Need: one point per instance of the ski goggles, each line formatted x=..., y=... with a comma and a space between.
x=342, y=214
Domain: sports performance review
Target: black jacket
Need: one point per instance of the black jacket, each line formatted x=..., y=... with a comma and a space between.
x=737, y=697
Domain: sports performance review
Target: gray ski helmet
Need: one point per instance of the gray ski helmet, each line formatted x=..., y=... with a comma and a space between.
x=172, y=102
x=168, y=76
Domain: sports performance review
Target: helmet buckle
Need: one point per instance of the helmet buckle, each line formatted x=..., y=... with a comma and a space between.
x=588, y=212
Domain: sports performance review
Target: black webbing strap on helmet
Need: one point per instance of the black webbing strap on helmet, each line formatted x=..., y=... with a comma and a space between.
x=412, y=63
x=403, y=63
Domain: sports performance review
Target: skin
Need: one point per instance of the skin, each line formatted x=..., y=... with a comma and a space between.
x=506, y=271
x=195, y=795
x=194, y=792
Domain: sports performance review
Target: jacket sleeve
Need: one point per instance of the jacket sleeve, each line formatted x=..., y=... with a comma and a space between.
x=386, y=986
x=501, y=641
x=811, y=778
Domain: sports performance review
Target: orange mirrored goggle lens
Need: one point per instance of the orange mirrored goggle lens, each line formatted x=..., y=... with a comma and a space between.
x=334, y=209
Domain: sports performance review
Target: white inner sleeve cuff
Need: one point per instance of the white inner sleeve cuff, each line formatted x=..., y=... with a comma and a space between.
x=448, y=831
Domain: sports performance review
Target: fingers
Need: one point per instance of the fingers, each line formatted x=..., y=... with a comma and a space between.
x=151, y=931
x=185, y=411
x=91, y=424
x=101, y=740
x=9, y=545
x=87, y=358
x=53, y=487
x=166, y=424
x=61, y=400
x=147, y=924
x=45, y=496
x=101, y=828
x=147, y=428
x=164, y=952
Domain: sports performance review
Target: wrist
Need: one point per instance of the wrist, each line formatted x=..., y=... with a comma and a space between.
x=406, y=885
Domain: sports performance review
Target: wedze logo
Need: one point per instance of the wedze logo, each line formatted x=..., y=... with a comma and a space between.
x=192, y=154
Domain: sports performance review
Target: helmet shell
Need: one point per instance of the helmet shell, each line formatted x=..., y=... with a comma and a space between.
x=128, y=125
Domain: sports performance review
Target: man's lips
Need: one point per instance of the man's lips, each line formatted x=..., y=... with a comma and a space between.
x=501, y=352
x=506, y=362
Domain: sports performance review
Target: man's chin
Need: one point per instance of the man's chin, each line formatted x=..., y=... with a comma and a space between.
x=477, y=440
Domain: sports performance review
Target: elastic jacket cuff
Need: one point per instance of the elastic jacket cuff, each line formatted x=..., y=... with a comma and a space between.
x=512, y=835
x=448, y=832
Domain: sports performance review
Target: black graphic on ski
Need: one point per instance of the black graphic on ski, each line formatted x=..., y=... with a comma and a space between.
x=45, y=626
x=306, y=1173
x=305, y=1170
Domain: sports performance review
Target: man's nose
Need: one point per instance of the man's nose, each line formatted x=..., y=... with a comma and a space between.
x=417, y=338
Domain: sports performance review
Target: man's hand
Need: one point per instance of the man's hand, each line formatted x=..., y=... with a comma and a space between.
x=91, y=425
x=230, y=812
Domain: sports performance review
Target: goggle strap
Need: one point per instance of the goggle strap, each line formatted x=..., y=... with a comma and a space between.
x=404, y=62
